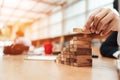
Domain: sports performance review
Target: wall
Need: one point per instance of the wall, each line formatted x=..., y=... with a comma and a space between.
x=74, y=16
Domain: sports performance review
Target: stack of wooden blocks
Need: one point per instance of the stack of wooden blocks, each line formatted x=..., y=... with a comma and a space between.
x=77, y=53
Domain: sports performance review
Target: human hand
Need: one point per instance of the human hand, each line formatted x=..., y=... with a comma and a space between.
x=102, y=22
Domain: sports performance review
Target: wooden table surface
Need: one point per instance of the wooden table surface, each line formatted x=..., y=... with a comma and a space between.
x=17, y=68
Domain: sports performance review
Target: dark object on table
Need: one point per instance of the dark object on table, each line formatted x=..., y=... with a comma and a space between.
x=109, y=46
x=94, y=56
x=56, y=52
x=15, y=49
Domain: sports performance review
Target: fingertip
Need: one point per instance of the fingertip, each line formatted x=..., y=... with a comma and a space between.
x=97, y=32
x=84, y=28
x=101, y=34
x=92, y=30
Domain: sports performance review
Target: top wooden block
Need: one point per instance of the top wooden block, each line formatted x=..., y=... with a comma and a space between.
x=79, y=30
x=75, y=38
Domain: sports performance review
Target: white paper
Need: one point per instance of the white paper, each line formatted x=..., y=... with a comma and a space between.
x=41, y=57
x=118, y=64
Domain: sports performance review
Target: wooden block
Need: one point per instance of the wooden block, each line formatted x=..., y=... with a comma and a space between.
x=71, y=45
x=67, y=63
x=66, y=56
x=68, y=46
x=84, y=52
x=61, y=55
x=72, y=64
x=63, y=59
x=77, y=53
x=65, y=50
x=84, y=59
x=75, y=65
x=62, y=62
x=76, y=38
x=81, y=51
x=58, y=61
x=65, y=53
x=73, y=55
x=79, y=30
x=80, y=46
x=67, y=60
x=80, y=42
x=72, y=60
x=84, y=65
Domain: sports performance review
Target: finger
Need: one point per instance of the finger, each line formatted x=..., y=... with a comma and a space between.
x=97, y=18
x=100, y=16
x=109, y=28
x=103, y=34
x=92, y=28
x=106, y=20
x=103, y=30
x=90, y=19
x=85, y=31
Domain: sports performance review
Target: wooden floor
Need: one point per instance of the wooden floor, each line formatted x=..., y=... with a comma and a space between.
x=17, y=68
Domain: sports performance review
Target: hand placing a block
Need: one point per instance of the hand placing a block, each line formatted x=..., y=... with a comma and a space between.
x=102, y=22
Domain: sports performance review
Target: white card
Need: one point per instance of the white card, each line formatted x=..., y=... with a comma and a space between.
x=41, y=57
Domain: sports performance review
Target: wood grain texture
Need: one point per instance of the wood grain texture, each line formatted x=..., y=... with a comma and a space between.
x=77, y=53
x=16, y=68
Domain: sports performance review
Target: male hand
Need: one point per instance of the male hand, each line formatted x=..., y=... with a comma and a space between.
x=102, y=22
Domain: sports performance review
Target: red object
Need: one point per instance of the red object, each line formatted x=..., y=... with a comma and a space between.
x=48, y=48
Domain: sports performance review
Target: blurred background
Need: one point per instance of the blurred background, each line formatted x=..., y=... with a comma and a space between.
x=44, y=21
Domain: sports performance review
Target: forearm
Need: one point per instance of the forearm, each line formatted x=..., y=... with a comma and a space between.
x=108, y=51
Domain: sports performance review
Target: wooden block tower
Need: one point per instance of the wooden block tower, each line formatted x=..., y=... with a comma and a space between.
x=77, y=53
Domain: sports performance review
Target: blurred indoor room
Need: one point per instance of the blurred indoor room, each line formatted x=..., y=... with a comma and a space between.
x=46, y=20
x=30, y=29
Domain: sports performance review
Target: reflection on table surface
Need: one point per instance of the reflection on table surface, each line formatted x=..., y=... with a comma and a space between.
x=18, y=68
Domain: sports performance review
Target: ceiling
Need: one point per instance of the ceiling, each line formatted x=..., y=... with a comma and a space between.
x=22, y=11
